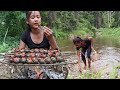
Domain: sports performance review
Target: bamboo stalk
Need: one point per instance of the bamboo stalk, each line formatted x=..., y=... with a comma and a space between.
x=5, y=35
x=64, y=63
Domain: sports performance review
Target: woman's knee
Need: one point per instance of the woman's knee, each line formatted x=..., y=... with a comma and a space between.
x=89, y=57
x=83, y=57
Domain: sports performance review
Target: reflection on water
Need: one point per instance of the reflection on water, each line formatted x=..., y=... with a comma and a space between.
x=107, y=48
x=106, y=42
x=66, y=45
x=99, y=43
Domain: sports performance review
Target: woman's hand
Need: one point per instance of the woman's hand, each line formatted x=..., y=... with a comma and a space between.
x=48, y=32
x=95, y=52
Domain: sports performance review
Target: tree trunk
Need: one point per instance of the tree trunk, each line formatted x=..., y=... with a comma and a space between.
x=109, y=19
x=98, y=19
x=52, y=17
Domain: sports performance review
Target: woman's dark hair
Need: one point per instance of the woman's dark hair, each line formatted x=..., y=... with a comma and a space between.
x=77, y=40
x=28, y=13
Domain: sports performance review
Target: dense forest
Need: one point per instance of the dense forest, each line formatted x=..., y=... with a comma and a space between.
x=63, y=23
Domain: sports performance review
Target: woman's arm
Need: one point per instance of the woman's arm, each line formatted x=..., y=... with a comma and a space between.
x=53, y=43
x=92, y=41
x=78, y=56
x=22, y=45
x=49, y=34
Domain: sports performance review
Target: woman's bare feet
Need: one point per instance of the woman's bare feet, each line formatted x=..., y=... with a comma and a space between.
x=84, y=68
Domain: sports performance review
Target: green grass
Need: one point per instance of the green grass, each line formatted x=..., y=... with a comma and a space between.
x=69, y=77
x=114, y=32
x=87, y=75
x=113, y=74
x=10, y=42
x=79, y=32
x=98, y=75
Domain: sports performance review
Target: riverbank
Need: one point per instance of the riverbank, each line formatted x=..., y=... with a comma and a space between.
x=106, y=67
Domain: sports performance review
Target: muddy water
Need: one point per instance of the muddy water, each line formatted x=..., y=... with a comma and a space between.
x=109, y=54
x=108, y=49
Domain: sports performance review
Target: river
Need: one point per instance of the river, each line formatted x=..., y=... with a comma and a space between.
x=108, y=48
x=109, y=55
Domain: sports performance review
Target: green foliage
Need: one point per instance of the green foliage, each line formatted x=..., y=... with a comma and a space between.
x=69, y=77
x=62, y=23
x=116, y=19
x=98, y=74
x=115, y=32
x=90, y=75
x=14, y=22
x=11, y=42
x=79, y=32
x=110, y=35
x=113, y=74
x=4, y=47
x=67, y=21
x=105, y=17
x=59, y=34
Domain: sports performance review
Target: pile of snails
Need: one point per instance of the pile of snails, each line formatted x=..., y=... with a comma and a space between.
x=33, y=56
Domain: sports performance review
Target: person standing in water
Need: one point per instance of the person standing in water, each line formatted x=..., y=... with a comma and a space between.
x=86, y=46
